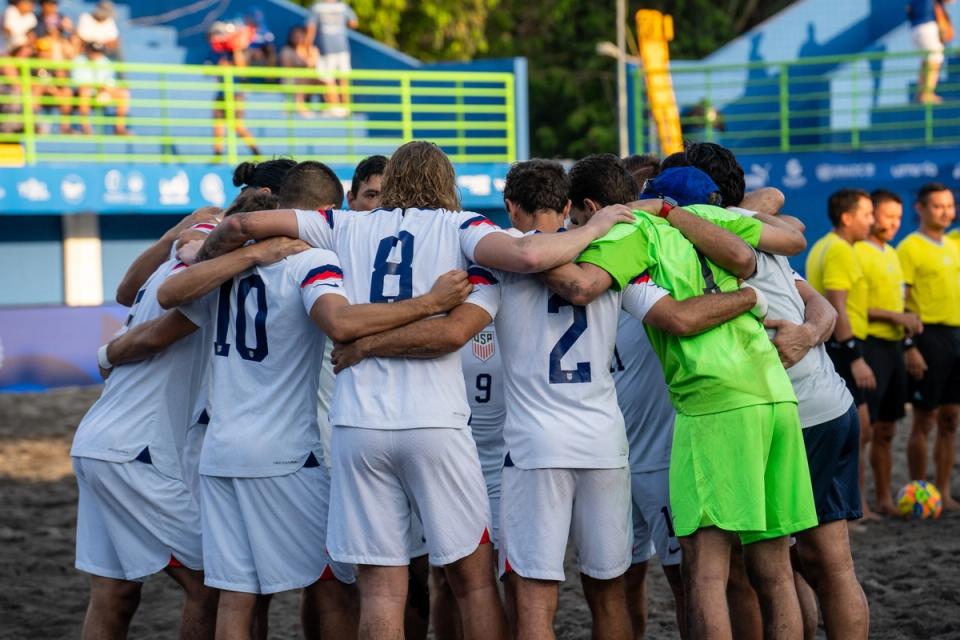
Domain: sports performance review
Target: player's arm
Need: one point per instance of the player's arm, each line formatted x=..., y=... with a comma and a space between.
x=700, y=313
x=915, y=362
x=781, y=235
x=843, y=333
x=156, y=254
x=145, y=340
x=542, y=251
x=187, y=285
x=345, y=322
x=765, y=200
x=237, y=229
x=428, y=338
x=794, y=341
x=578, y=283
x=906, y=319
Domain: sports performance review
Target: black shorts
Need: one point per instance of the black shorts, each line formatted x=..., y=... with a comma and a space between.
x=836, y=352
x=885, y=357
x=833, y=454
x=940, y=346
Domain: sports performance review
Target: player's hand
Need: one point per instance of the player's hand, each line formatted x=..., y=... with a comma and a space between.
x=275, y=249
x=203, y=214
x=603, y=220
x=346, y=355
x=450, y=289
x=916, y=364
x=760, y=307
x=911, y=322
x=187, y=253
x=793, y=341
x=863, y=375
x=105, y=373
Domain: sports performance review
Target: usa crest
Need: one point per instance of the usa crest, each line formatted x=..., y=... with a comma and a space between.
x=483, y=345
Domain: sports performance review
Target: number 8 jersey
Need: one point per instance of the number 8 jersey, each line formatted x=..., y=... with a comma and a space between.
x=390, y=255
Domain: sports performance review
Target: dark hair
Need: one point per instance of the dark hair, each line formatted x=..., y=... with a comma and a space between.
x=293, y=30
x=258, y=175
x=843, y=201
x=717, y=162
x=643, y=167
x=602, y=178
x=311, y=185
x=252, y=200
x=931, y=187
x=368, y=167
x=879, y=196
x=419, y=175
x=537, y=185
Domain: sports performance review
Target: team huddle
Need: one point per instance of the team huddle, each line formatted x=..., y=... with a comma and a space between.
x=361, y=403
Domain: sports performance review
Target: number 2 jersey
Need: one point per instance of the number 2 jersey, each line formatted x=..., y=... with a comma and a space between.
x=265, y=366
x=391, y=255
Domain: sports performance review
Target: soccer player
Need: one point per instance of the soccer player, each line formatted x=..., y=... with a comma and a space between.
x=888, y=324
x=736, y=404
x=930, y=269
x=424, y=458
x=834, y=270
x=364, y=194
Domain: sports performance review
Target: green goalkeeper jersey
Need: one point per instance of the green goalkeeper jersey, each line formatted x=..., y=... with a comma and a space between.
x=731, y=366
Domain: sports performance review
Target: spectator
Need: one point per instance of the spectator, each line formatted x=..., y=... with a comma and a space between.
x=928, y=37
x=51, y=19
x=100, y=27
x=96, y=80
x=11, y=87
x=261, y=52
x=51, y=83
x=19, y=22
x=228, y=45
x=328, y=24
x=300, y=53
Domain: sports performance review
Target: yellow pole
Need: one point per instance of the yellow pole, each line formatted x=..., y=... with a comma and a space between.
x=654, y=31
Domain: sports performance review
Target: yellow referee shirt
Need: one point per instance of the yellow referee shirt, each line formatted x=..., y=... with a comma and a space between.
x=932, y=271
x=881, y=267
x=833, y=264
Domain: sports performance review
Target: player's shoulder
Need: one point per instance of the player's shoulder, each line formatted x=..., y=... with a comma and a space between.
x=910, y=243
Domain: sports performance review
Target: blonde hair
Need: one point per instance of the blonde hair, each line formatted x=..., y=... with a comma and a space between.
x=419, y=175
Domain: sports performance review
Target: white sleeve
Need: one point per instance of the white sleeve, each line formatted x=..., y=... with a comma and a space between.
x=316, y=228
x=640, y=295
x=200, y=311
x=318, y=273
x=473, y=228
x=486, y=289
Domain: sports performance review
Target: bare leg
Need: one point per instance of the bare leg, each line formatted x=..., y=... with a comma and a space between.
x=923, y=420
x=881, y=459
x=929, y=77
x=261, y=617
x=636, y=578
x=945, y=452
x=443, y=607
x=608, y=605
x=675, y=580
x=745, y=619
x=218, y=132
x=235, y=615
x=827, y=564
x=705, y=567
x=417, y=615
x=478, y=598
x=806, y=596
x=85, y=94
x=383, y=598
x=111, y=608
x=768, y=566
x=328, y=609
x=199, y=618
x=536, y=607
x=866, y=434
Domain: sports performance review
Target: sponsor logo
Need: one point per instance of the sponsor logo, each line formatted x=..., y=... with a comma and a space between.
x=956, y=171
x=914, y=170
x=73, y=188
x=175, y=190
x=211, y=189
x=33, y=190
x=483, y=345
x=476, y=185
x=3, y=193
x=793, y=174
x=124, y=189
x=758, y=176
x=828, y=172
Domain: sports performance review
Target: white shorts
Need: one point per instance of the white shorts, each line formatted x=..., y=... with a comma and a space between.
x=191, y=456
x=926, y=37
x=131, y=519
x=382, y=476
x=328, y=64
x=266, y=535
x=540, y=508
x=652, y=518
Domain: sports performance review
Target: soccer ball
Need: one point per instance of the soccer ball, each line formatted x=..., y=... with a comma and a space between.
x=919, y=499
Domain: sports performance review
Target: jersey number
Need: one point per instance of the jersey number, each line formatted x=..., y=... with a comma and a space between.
x=220, y=346
x=403, y=269
x=559, y=375
x=484, y=382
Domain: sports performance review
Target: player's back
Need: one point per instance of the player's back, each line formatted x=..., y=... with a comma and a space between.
x=148, y=404
x=483, y=375
x=391, y=255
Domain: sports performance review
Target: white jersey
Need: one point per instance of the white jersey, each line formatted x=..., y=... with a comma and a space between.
x=148, y=404
x=643, y=397
x=561, y=401
x=388, y=256
x=266, y=365
x=483, y=375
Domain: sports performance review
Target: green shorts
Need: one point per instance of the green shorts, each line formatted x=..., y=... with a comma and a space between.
x=743, y=470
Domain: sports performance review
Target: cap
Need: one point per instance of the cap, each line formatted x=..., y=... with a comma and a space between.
x=686, y=185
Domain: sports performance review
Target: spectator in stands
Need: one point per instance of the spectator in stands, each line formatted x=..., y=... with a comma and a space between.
x=261, y=52
x=52, y=20
x=11, y=87
x=228, y=46
x=96, y=79
x=328, y=24
x=19, y=21
x=51, y=83
x=300, y=53
x=100, y=27
x=927, y=36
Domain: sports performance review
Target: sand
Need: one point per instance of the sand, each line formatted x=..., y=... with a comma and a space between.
x=909, y=570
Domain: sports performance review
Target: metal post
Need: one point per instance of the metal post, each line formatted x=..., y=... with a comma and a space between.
x=784, y=109
x=406, y=109
x=230, y=111
x=622, y=77
x=29, y=127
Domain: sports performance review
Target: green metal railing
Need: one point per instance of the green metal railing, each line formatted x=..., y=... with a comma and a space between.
x=850, y=102
x=184, y=113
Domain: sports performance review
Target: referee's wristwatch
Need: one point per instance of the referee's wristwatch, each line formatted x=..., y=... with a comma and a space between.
x=668, y=205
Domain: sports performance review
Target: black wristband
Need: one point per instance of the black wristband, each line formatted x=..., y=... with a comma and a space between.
x=909, y=343
x=853, y=347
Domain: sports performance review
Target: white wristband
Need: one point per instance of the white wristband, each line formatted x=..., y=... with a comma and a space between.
x=102, y=358
x=759, y=310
